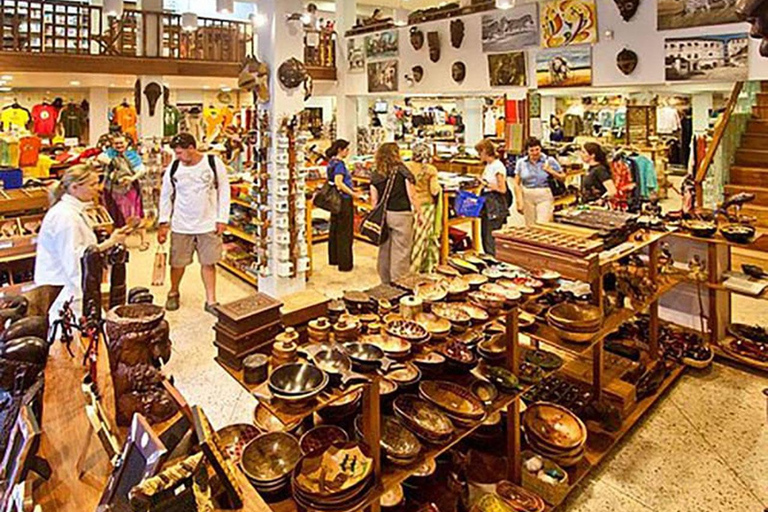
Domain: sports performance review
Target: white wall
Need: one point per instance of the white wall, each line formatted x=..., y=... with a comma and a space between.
x=639, y=34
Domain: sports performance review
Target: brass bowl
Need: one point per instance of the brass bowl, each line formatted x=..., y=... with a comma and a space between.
x=569, y=315
x=297, y=379
x=234, y=438
x=270, y=457
x=322, y=436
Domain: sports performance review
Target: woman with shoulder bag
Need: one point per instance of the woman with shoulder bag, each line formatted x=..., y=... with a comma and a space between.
x=496, y=208
x=393, y=182
x=425, y=254
x=533, y=193
x=341, y=235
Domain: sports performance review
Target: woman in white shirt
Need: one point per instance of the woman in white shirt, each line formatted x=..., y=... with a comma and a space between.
x=64, y=236
x=496, y=208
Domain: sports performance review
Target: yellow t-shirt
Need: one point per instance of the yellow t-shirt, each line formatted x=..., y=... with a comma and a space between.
x=18, y=117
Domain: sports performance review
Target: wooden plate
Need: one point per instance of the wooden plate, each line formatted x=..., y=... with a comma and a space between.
x=335, y=470
x=422, y=418
x=554, y=425
x=452, y=398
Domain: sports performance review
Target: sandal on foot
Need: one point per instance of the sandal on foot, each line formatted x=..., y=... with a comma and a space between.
x=212, y=308
x=172, y=303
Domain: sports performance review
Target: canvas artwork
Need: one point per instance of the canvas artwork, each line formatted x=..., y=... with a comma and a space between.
x=507, y=69
x=567, y=22
x=720, y=58
x=355, y=56
x=674, y=14
x=383, y=45
x=513, y=29
x=564, y=67
x=382, y=76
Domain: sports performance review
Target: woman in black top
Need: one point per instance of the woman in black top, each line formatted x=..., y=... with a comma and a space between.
x=598, y=183
x=394, y=254
x=341, y=231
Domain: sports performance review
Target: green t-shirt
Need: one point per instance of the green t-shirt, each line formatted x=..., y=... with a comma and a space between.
x=171, y=118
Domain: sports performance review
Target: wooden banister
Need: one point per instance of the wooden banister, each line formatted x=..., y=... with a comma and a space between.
x=717, y=137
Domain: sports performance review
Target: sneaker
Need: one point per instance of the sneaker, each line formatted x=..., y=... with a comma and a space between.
x=212, y=309
x=172, y=303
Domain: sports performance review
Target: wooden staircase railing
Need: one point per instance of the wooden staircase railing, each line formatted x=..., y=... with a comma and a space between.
x=717, y=137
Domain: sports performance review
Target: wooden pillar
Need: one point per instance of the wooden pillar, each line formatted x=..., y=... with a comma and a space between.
x=512, y=341
x=597, y=369
x=372, y=429
x=514, y=454
x=653, y=271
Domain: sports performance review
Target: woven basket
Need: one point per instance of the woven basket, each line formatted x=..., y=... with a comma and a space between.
x=552, y=494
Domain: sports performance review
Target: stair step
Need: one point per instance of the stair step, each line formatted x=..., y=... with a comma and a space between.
x=749, y=176
x=757, y=126
x=760, y=111
x=759, y=212
x=762, y=99
x=754, y=141
x=752, y=157
x=761, y=194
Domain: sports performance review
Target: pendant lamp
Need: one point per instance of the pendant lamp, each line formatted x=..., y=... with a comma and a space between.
x=189, y=21
x=505, y=4
x=113, y=8
x=225, y=6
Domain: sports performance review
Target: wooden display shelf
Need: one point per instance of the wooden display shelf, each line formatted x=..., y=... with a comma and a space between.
x=323, y=237
x=649, y=237
x=239, y=273
x=759, y=243
x=17, y=257
x=242, y=235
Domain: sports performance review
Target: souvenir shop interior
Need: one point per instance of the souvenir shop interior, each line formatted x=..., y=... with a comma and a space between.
x=383, y=255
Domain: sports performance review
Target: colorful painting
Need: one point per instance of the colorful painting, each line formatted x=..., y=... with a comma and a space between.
x=674, y=14
x=382, y=76
x=355, y=56
x=564, y=67
x=567, y=22
x=512, y=29
x=721, y=58
x=507, y=69
x=383, y=45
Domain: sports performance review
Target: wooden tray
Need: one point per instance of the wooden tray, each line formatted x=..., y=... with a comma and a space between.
x=557, y=240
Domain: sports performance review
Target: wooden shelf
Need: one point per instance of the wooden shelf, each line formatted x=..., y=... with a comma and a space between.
x=242, y=235
x=760, y=243
x=320, y=238
x=18, y=257
x=239, y=273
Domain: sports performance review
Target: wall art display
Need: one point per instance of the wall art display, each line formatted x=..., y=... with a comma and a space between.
x=674, y=14
x=507, y=69
x=457, y=33
x=567, y=22
x=433, y=39
x=627, y=8
x=382, y=76
x=382, y=45
x=717, y=58
x=626, y=61
x=513, y=29
x=355, y=56
x=564, y=67
x=756, y=14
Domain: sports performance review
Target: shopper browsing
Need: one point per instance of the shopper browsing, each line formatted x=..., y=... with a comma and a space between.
x=598, y=183
x=395, y=253
x=496, y=207
x=533, y=174
x=425, y=254
x=194, y=208
x=65, y=235
x=341, y=233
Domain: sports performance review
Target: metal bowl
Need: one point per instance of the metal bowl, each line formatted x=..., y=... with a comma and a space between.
x=365, y=353
x=270, y=457
x=577, y=317
x=332, y=360
x=322, y=436
x=738, y=233
x=297, y=379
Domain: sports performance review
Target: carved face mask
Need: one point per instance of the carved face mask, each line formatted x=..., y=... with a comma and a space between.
x=627, y=8
x=417, y=38
x=626, y=61
x=457, y=33
x=418, y=73
x=458, y=71
x=433, y=39
x=292, y=73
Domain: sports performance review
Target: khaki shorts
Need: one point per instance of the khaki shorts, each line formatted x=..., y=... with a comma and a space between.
x=183, y=246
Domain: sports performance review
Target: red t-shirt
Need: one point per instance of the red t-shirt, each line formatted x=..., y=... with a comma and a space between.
x=30, y=151
x=44, y=117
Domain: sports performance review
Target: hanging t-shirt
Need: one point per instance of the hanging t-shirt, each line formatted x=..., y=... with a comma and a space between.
x=226, y=115
x=212, y=119
x=29, y=148
x=171, y=118
x=126, y=118
x=14, y=116
x=72, y=119
x=44, y=117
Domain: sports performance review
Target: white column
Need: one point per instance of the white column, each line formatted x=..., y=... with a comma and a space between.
x=98, y=123
x=702, y=104
x=346, y=106
x=279, y=40
x=473, y=121
x=151, y=126
x=151, y=23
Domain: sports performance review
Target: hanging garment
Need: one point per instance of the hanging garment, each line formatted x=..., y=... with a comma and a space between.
x=126, y=118
x=573, y=126
x=194, y=121
x=667, y=120
x=44, y=118
x=171, y=118
x=15, y=116
x=622, y=178
x=29, y=151
x=648, y=181
x=212, y=120
x=72, y=119
x=226, y=116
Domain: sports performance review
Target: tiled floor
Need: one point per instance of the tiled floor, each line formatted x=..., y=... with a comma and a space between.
x=704, y=447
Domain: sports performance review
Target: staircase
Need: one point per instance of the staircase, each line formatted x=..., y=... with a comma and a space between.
x=749, y=173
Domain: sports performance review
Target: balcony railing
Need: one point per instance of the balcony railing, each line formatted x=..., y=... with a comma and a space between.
x=58, y=26
x=320, y=54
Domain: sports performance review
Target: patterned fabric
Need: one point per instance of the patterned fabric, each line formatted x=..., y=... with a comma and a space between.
x=425, y=253
x=622, y=178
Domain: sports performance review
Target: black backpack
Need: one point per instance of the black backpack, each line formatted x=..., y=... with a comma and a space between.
x=175, y=168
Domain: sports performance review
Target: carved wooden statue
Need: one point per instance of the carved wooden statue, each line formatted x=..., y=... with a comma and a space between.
x=138, y=345
x=755, y=12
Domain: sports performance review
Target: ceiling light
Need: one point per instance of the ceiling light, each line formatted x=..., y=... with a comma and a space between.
x=206, y=87
x=189, y=22
x=74, y=82
x=225, y=6
x=112, y=85
x=6, y=77
x=113, y=8
x=5, y=89
x=226, y=89
x=505, y=4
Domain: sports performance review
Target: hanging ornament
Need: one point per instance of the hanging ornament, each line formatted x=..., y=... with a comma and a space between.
x=626, y=61
x=627, y=8
x=457, y=33
x=417, y=38
x=433, y=39
x=418, y=73
x=459, y=72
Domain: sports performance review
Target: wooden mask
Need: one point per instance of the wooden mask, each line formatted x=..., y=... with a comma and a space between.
x=459, y=72
x=626, y=61
x=433, y=39
x=418, y=73
x=417, y=38
x=457, y=33
x=627, y=8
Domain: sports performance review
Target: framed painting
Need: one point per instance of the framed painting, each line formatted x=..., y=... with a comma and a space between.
x=507, y=69
x=511, y=29
x=720, y=58
x=564, y=67
x=383, y=45
x=676, y=14
x=355, y=56
x=382, y=76
x=568, y=22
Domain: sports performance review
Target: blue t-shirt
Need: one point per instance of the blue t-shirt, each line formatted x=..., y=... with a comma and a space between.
x=335, y=167
x=533, y=175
